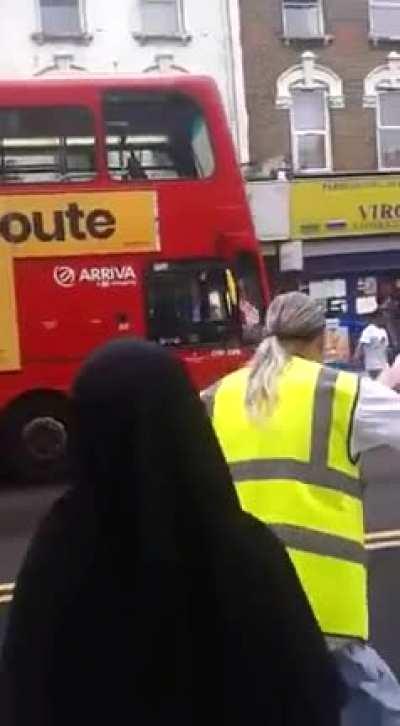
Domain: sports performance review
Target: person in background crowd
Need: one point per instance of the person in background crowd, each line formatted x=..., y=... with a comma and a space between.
x=292, y=431
x=148, y=597
x=373, y=346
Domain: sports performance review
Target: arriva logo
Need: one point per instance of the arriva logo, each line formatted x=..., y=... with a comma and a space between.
x=64, y=276
x=120, y=275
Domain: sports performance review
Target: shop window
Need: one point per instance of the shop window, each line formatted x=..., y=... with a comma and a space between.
x=302, y=19
x=162, y=18
x=310, y=129
x=61, y=18
x=332, y=292
x=384, y=18
x=388, y=130
x=366, y=300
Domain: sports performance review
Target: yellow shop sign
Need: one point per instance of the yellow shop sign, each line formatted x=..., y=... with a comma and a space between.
x=345, y=207
x=49, y=225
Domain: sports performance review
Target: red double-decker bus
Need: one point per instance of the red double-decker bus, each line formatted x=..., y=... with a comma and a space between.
x=122, y=213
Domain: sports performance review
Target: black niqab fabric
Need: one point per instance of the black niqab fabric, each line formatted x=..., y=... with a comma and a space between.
x=148, y=597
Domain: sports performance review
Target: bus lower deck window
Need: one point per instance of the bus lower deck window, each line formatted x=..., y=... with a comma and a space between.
x=156, y=136
x=46, y=144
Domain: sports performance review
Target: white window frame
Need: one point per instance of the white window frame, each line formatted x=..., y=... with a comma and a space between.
x=385, y=4
x=309, y=75
x=181, y=33
x=382, y=79
x=326, y=133
x=290, y=36
x=380, y=127
x=42, y=35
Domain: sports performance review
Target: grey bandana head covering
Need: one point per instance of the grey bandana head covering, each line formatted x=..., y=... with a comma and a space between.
x=294, y=315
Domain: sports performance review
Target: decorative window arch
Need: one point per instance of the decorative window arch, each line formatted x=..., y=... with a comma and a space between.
x=382, y=93
x=61, y=63
x=164, y=63
x=308, y=74
x=308, y=91
x=385, y=77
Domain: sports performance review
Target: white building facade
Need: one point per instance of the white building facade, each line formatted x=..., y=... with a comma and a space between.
x=47, y=37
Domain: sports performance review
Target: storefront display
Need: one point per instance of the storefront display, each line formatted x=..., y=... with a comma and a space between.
x=337, y=343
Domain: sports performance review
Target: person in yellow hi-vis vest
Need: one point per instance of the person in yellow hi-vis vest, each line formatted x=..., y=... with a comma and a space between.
x=292, y=431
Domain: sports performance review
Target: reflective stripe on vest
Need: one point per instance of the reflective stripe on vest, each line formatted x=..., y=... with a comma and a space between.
x=294, y=472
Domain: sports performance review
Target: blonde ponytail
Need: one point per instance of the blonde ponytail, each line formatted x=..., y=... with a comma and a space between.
x=290, y=317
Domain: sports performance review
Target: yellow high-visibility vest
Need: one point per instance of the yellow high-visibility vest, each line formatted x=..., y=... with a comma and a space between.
x=293, y=470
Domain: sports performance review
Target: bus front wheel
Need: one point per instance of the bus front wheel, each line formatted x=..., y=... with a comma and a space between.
x=33, y=439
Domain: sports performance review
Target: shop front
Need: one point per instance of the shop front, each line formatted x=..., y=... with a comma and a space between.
x=350, y=232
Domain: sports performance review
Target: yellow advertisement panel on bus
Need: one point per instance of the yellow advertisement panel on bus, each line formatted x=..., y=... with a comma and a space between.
x=9, y=344
x=79, y=223
x=345, y=207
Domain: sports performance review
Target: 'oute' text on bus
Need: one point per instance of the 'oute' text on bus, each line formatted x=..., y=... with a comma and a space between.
x=17, y=227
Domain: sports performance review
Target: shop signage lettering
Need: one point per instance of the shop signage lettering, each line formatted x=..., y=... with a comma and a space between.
x=345, y=207
x=379, y=211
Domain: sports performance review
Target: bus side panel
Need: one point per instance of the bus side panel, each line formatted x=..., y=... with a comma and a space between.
x=67, y=307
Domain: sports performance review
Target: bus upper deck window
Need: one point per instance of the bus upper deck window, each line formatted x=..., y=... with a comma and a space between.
x=46, y=144
x=156, y=136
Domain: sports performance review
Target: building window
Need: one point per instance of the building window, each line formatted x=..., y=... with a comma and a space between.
x=384, y=18
x=302, y=19
x=310, y=130
x=388, y=129
x=309, y=91
x=162, y=18
x=61, y=18
x=382, y=93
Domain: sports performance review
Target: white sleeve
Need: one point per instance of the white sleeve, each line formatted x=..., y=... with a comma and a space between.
x=376, y=418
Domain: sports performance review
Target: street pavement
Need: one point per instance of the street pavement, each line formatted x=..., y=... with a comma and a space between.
x=22, y=509
x=382, y=475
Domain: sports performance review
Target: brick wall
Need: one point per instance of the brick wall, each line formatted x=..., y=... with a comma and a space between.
x=351, y=55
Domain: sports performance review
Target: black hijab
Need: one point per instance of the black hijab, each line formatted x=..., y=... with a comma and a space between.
x=148, y=597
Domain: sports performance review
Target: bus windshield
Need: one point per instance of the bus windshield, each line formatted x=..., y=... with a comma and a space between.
x=192, y=304
x=156, y=136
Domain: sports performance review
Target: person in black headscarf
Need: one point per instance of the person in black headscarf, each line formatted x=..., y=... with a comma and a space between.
x=148, y=597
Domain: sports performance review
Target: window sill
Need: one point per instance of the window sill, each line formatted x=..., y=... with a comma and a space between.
x=311, y=39
x=383, y=39
x=78, y=38
x=179, y=38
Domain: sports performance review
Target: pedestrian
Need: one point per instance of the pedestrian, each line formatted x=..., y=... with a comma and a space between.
x=292, y=432
x=373, y=346
x=148, y=596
